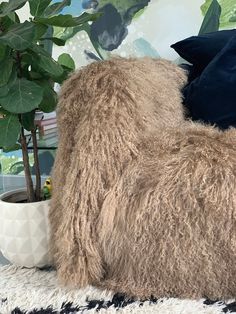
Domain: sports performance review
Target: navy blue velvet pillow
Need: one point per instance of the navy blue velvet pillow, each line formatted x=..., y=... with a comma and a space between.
x=211, y=97
x=200, y=50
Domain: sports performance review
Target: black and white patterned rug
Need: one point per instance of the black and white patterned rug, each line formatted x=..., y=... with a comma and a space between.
x=32, y=291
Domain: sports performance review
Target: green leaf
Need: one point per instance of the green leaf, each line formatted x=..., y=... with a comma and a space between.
x=37, y=7
x=6, y=22
x=4, y=112
x=2, y=6
x=6, y=69
x=66, y=60
x=50, y=66
x=56, y=8
x=35, y=75
x=23, y=96
x=18, y=166
x=47, y=44
x=9, y=130
x=11, y=6
x=26, y=59
x=45, y=64
x=39, y=50
x=19, y=36
x=11, y=148
x=63, y=77
x=227, y=15
x=68, y=20
x=17, y=19
x=13, y=76
x=12, y=16
x=50, y=98
x=69, y=32
x=55, y=40
x=27, y=120
x=40, y=30
x=4, y=90
x=49, y=105
x=211, y=21
x=3, y=50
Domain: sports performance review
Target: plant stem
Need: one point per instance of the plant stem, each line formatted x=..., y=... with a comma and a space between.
x=28, y=178
x=36, y=165
x=24, y=148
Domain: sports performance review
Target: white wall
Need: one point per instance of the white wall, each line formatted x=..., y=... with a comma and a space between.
x=24, y=12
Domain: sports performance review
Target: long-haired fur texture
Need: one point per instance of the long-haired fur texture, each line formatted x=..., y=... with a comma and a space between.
x=144, y=200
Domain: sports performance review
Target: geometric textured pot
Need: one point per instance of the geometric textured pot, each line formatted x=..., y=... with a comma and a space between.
x=24, y=230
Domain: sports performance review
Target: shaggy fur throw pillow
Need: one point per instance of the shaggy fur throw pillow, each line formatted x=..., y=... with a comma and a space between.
x=143, y=200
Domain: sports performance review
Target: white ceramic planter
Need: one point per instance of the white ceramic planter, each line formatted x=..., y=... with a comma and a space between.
x=24, y=231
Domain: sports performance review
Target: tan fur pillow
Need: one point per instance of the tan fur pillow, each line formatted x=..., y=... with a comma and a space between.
x=168, y=226
x=140, y=194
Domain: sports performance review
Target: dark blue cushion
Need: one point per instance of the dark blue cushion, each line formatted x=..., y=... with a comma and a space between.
x=200, y=50
x=211, y=97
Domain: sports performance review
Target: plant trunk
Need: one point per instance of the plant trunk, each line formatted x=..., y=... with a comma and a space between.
x=28, y=178
x=37, y=167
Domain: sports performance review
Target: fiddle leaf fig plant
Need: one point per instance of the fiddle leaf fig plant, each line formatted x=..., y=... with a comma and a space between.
x=28, y=73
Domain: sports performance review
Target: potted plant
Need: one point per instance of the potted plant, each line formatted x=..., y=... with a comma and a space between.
x=27, y=77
